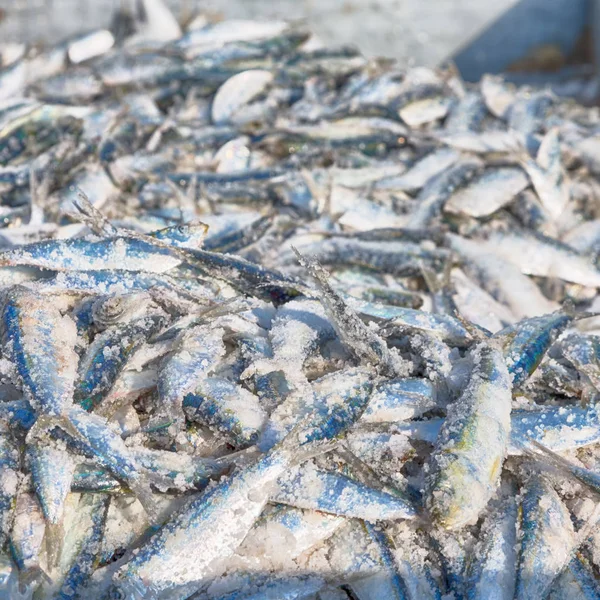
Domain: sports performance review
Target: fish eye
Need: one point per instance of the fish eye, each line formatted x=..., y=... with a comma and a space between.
x=181, y=229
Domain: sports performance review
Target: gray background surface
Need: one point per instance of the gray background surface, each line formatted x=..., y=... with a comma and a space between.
x=425, y=31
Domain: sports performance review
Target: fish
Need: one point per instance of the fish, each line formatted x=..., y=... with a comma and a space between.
x=195, y=352
x=437, y=191
x=88, y=531
x=27, y=540
x=490, y=192
x=279, y=320
x=420, y=172
x=368, y=560
x=81, y=255
x=492, y=570
x=305, y=322
x=576, y=581
x=501, y=278
x=237, y=91
x=335, y=401
x=540, y=560
x=552, y=259
x=374, y=255
x=526, y=343
x=340, y=495
x=365, y=343
x=48, y=380
x=400, y=399
x=547, y=175
x=227, y=407
x=163, y=563
x=558, y=428
x=107, y=355
x=464, y=472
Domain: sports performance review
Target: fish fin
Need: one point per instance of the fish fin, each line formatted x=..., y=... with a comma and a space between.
x=555, y=460
x=478, y=333
x=92, y=217
x=352, y=331
x=432, y=280
x=316, y=270
x=238, y=458
x=570, y=310
x=141, y=490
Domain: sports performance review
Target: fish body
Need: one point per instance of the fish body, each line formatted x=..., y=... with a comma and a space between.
x=167, y=562
x=465, y=467
x=493, y=567
x=542, y=556
x=107, y=355
x=30, y=322
x=195, y=353
x=82, y=255
x=336, y=494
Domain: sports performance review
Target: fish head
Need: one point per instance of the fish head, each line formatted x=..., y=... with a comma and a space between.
x=184, y=235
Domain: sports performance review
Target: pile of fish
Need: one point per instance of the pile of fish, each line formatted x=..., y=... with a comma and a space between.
x=281, y=322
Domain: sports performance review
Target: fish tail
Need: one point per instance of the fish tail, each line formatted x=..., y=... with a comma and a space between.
x=144, y=494
x=30, y=578
x=46, y=423
x=314, y=267
x=569, y=309
x=477, y=332
x=433, y=282
x=553, y=459
x=54, y=535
